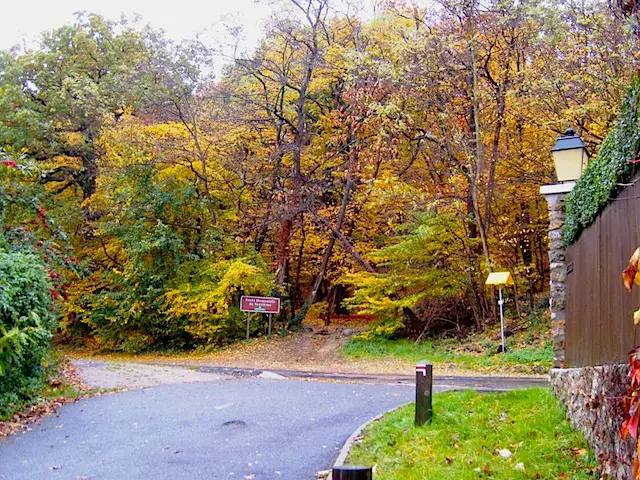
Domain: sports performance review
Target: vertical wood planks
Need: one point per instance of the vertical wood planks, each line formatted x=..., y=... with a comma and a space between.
x=599, y=312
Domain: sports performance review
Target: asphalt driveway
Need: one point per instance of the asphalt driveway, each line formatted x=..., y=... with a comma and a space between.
x=223, y=429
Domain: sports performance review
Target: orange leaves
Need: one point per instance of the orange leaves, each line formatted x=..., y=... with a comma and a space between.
x=632, y=402
x=630, y=274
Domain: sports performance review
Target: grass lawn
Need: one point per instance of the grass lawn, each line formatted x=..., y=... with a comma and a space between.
x=480, y=356
x=468, y=430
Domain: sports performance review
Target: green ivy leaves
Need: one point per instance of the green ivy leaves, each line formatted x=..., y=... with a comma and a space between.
x=599, y=183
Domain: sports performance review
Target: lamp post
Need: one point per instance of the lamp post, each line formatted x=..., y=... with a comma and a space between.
x=570, y=156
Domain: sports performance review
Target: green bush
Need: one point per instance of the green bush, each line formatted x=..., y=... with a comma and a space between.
x=531, y=355
x=388, y=329
x=205, y=297
x=599, y=183
x=26, y=321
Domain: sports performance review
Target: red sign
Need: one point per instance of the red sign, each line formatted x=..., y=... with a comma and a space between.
x=260, y=304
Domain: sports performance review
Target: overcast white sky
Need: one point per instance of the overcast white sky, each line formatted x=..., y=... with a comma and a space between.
x=182, y=19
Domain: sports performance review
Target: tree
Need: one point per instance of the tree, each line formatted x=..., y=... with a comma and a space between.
x=56, y=100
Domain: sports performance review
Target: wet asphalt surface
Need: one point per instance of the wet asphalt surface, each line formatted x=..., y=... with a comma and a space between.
x=243, y=428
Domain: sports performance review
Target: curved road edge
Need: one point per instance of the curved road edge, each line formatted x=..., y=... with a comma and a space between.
x=346, y=448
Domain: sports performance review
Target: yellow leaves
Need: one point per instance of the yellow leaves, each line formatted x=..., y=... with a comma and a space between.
x=209, y=294
x=630, y=274
x=136, y=307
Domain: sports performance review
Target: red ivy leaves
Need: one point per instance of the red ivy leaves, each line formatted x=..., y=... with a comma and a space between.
x=9, y=163
x=630, y=276
x=632, y=402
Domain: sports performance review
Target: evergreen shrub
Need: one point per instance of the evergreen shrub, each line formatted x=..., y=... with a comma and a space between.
x=26, y=321
x=600, y=181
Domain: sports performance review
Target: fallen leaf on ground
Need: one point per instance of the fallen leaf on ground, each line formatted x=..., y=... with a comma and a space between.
x=504, y=453
x=21, y=421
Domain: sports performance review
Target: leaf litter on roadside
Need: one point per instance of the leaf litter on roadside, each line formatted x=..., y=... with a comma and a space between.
x=67, y=376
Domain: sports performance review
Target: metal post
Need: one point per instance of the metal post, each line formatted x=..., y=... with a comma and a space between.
x=248, y=314
x=269, y=334
x=501, y=302
x=424, y=392
x=350, y=472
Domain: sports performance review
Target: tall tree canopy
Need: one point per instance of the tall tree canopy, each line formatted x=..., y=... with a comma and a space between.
x=383, y=166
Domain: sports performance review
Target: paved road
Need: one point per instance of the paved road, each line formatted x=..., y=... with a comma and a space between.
x=225, y=429
x=441, y=382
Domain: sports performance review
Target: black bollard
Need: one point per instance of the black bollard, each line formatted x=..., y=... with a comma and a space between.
x=351, y=472
x=424, y=390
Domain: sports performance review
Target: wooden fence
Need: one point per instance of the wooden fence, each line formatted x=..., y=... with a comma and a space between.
x=599, y=326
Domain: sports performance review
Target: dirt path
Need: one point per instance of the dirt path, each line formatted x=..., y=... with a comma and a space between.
x=310, y=351
x=307, y=351
x=118, y=375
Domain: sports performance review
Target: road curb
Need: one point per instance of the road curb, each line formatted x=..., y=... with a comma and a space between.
x=346, y=448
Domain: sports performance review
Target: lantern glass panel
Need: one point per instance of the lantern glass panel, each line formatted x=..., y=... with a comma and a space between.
x=570, y=163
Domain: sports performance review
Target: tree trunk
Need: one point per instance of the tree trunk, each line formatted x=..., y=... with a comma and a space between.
x=329, y=250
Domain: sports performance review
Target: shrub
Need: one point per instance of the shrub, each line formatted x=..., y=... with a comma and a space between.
x=531, y=355
x=388, y=329
x=600, y=181
x=26, y=321
x=205, y=296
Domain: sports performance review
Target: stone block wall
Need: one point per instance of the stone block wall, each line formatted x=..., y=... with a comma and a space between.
x=558, y=277
x=593, y=397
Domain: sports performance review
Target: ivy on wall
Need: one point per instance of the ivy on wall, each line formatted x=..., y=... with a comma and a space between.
x=600, y=181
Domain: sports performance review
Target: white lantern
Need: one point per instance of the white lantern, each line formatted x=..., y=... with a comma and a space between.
x=570, y=156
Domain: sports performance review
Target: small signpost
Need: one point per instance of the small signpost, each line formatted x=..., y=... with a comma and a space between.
x=268, y=305
x=500, y=279
x=424, y=393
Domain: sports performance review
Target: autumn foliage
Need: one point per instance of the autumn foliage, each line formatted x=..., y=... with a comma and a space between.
x=631, y=277
x=383, y=166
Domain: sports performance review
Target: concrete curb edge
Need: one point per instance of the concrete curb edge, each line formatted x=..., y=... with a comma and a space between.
x=346, y=448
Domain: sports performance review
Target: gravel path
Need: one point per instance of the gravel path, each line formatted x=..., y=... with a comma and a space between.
x=124, y=375
x=118, y=375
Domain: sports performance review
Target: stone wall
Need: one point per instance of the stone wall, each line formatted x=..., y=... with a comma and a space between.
x=558, y=277
x=593, y=397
